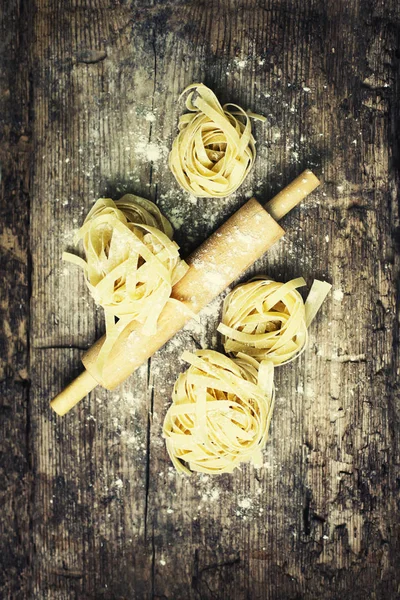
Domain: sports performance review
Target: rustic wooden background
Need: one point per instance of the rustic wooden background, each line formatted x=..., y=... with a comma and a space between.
x=91, y=508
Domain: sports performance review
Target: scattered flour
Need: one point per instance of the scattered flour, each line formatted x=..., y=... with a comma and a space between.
x=214, y=495
x=240, y=63
x=151, y=151
x=338, y=295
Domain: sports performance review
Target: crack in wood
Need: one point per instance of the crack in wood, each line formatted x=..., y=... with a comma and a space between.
x=196, y=341
x=199, y=572
x=61, y=347
x=306, y=513
x=148, y=454
x=346, y=358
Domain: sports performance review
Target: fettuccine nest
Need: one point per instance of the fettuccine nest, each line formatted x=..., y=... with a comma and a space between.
x=215, y=149
x=220, y=413
x=131, y=264
x=268, y=320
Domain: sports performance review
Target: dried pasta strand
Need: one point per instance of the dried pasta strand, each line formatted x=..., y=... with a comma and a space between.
x=220, y=413
x=268, y=320
x=215, y=149
x=318, y=293
x=130, y=265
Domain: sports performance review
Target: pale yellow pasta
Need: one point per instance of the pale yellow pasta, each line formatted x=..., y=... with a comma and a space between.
x=215, y=149
x=220, y=413
x=130, y=264
x=266, y=319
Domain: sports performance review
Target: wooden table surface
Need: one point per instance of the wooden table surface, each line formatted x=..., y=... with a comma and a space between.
x=91, y=506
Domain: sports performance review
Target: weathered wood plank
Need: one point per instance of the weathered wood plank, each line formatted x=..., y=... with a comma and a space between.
x=111, y=519
x=322, y=493
x=15, y=148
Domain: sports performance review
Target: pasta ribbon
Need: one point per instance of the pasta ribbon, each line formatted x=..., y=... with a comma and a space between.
x=268, y=320
x=215, y=149
x=220, y=414
x=131, y=264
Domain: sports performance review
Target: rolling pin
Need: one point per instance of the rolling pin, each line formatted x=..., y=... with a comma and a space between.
x=221, y=259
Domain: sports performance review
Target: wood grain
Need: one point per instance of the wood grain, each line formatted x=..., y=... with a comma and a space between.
x=15, y=448
x=93, y=507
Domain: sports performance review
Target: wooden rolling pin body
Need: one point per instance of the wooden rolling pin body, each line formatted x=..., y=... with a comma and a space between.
x=221, y=259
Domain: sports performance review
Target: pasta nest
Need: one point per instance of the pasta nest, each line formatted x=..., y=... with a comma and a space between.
x=130, y=263
x=215, y=149
x=220, y=413
x=266, y=320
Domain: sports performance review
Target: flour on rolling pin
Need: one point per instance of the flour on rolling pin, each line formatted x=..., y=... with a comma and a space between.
x=215, y=274
x=226, y=254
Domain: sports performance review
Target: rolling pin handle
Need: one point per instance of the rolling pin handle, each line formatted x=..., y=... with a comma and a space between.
x=73, y=393
x=292, y=195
